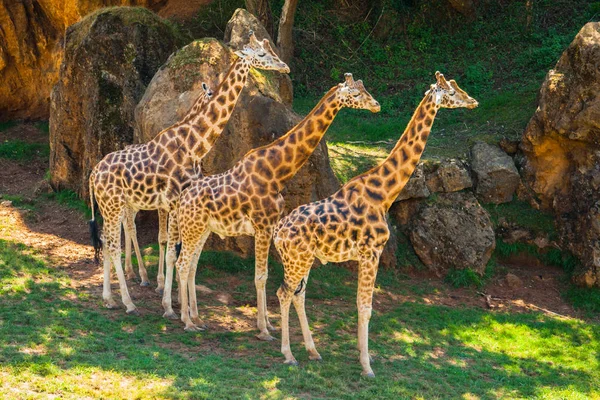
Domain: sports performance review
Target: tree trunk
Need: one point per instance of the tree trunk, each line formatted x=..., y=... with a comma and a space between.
x=285, y=42
x=261, y=9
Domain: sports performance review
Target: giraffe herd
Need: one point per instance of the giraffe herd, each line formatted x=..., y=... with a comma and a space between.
x=164, y=175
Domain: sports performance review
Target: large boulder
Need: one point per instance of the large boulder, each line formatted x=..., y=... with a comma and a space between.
x=110, y=58
x=495, y=174
x=261, y=115
x=561, y=149
x=453, y=232
x=31, y=50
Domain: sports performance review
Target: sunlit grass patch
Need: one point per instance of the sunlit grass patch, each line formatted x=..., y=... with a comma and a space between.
x=51, y=345
x=349, y=160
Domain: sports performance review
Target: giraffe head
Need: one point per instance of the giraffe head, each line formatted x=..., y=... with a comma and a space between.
x=261, y=55
x=447, y=94
x=352, y=94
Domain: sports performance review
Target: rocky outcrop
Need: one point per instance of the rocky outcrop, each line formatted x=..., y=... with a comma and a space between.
x=453, y=232
x=260, y=116
x=495, y=174
x=561, y=149
x=31, y=50
x=110, y=58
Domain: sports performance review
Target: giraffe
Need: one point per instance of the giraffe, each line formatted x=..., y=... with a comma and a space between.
x=351, y=224
x=129, y=215
x=246, y=200
x=151, y=176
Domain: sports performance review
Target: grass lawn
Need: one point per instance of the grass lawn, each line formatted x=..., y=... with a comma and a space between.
x=56, y=340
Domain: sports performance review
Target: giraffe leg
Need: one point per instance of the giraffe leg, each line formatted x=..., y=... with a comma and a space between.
x=173, y=238
x=285, y=300
x=162, y=243
x=138, y=254
x=129, y=272
x=261, y=273
x=192, y=283
x=367, y=273
x=109, y=302
x=298, y=301
x=112, y=227
x=294, y=272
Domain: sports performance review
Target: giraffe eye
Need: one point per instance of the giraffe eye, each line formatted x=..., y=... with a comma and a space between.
x=262, y=54
x=452, y=92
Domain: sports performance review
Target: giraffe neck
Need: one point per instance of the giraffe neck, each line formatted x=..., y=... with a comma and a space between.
x=291, y=151
x=202, y=126
x=385, y=181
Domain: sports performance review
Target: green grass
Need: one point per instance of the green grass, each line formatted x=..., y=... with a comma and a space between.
x=59, y=341
x=18, y=150
x=520, y=213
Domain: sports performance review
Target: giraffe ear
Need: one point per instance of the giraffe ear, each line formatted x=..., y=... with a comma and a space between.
x=252, y=39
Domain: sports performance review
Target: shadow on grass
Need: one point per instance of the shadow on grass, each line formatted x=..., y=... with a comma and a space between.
x=54, y=334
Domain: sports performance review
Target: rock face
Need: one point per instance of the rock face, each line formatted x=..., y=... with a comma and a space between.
x=415, y=188
x=31, y=50
x=496, y=177
x=110, y=58
x=561, y=148
x=449, y=175
x=454, y=232
x=260, y=116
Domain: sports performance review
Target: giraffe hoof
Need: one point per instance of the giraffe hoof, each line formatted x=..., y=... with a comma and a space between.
x=170, y=315
x=291, y=363
x=145, y=284
x=368, y=374
x=199, y=324
x=265, y=336
x=133, y=312
x=315, y=358
x=159, y=290
x=193, y=328
x=111, y=306
x=271, y=328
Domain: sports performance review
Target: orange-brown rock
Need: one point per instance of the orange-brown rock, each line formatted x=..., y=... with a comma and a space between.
x=31, y=46
x=561, y=148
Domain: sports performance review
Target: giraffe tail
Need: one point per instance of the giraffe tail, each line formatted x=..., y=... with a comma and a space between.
x=95, y=236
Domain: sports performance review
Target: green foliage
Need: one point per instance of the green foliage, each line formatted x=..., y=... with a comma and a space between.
x=19, y=150
x=495, y=57
x=212, y=19
x=463, y=278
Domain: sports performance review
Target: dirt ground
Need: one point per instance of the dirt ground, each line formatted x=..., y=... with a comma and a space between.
x=61, y=234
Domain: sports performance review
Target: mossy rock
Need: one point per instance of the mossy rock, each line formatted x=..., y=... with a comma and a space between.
x=110, y=58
